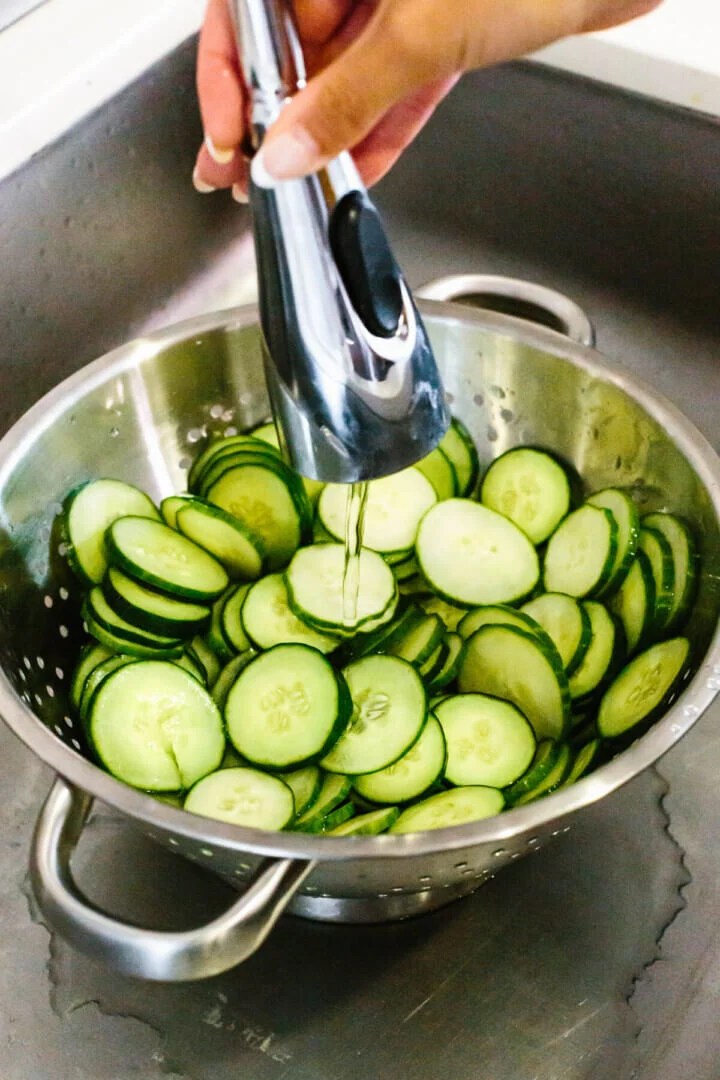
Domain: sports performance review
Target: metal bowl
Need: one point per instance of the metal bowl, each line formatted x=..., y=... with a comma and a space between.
x=140, y=413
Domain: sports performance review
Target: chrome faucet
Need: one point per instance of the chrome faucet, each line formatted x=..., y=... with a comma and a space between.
x=351, y=375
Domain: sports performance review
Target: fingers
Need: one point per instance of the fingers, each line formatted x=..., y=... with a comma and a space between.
x=221, y=97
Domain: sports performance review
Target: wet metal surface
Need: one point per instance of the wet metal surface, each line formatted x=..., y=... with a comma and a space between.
x=611, y=200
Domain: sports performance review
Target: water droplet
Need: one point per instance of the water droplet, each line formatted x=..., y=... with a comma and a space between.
x=194, y=435
x=479, y=399
x=690, y=712
x=216, y=411
x=507, y=415
x=497, y=391
x=114, y=432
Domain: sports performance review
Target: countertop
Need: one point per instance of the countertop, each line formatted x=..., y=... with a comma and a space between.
x=66, y=57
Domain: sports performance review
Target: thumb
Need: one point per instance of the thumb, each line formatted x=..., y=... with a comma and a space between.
x=345, y=101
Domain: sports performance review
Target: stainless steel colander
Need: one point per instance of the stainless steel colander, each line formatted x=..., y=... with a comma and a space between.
x=140, y=413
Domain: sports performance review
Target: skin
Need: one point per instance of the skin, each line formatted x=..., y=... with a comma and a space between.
x=377, y=69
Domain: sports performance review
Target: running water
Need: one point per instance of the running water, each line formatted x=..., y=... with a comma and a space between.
x=354, y=524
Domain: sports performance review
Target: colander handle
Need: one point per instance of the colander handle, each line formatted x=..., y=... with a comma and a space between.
x=512, y=296
x=148, y=954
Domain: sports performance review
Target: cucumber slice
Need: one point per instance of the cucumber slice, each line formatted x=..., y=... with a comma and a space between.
x=489, y=742
x=382, y=640
x=233, y=544
x=660, y=557
x=449, y=613
x=566, y=622
x=685, y=560
x=623, y=509
x=455, y=807
x=505, y=662
x=552, y=780
x=412, y=774
x=271, y=502
x=634, y=602
x=153, y=611
x=219, y=447
x=642, y=687
x=155, y=727
x=389, y=709
x=268, y=433
x=227, y=675
x=242, y=796
x=231, y=618
x=421, y=641
x=201, y=652
x=96, y=677
x=457, y=445
x=87, y=514
x=215, y=636
x=287, y=708
x=435, y=662
x=406, y=569
x=97, y=608
x=543, y=762
x=395, y=504
x=334, y=791
x=580, y=554
x=268, y=620
x=314, y=582
x=472, y=555
x=370, y=824
x=91, y=655
x=262, y=455
x=116, y=643
x=451, y=666
x=156, y=555
x=186, y=661
x=331, y=821
x=439, y=470
x=169, y=508
x=585, y=759
x=530, y=488
x=496, y=615
x=604, y=650
x=305, y=785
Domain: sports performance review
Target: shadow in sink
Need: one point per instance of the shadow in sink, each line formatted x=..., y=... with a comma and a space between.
x=527, y=977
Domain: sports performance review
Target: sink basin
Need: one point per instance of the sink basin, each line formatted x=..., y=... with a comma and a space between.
x=610, y=199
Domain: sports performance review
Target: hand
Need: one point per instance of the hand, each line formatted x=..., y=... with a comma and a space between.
x=377, y=69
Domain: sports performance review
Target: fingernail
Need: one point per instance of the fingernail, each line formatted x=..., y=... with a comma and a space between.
x=290, y=155
x=200, y=185
x=239, y=195
x=221, y=154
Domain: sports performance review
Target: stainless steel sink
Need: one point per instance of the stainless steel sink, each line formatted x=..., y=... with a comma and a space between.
x=613, y=200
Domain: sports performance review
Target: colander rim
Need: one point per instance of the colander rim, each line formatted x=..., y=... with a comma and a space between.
x=539, y=816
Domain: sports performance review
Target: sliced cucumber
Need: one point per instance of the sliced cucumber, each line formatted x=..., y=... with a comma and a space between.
x=155, y=727
x=543, y=762
x=389, y=709
x=215, y=635
x=116, y=643
x=231, y=618
x=151, y=610
x=505, y=662
x=530, y=488
x=451, y=665
x=585, y=758
x=623, y=509
x=268, y=620
x=314, y=582
x=580, y=554
x=270, y=502
x=227, y=675
x=243, y=796
x=305, y=785
x=497, y=615
x=370, y=824
x=634, y=602
x=412, y=774
x=287, y=708
x=458, y=806
x=87, y=514
x=169, y=508
x=268, y=433
x=552, y=780
x=96, y=677
x=97, y=609
x=395, y=504
x=449, y=613
x=472, y=555
x=642, y=687
x=439, y=470
x=566, y=622
x=333, y=792
x=457, y=445
x=91, y=655
x=232, y=543
x=489, y=742
x=660, y=556
x=201, y=652
x=219, y=447
x=605, y=648
x=435, y=662
x=382, y=640
x=156, y=555
x=685, y=560
x=420, y=641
